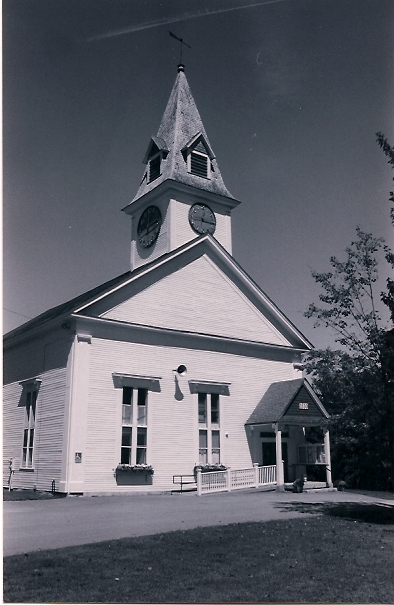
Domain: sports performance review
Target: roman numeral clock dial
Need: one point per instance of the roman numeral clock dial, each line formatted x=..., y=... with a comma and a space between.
x=202, y=219
x=148, y=228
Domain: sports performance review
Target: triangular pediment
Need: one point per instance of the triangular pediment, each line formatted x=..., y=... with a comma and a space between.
x=197, y=298
x=201, y=290
x=198, y=143
x=156, y=144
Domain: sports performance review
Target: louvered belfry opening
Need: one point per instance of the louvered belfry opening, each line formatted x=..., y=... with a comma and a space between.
x=199, y=164
x=154, y=168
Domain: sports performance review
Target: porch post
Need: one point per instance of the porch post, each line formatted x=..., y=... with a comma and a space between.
x=280, y=482
x=228, y=479
x=256, y=474
x=327, y=455
x=199, y=482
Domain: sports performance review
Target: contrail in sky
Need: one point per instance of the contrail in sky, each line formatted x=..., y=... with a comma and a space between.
x=185, y=16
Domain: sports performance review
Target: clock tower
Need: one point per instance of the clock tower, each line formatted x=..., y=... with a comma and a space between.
x=182, y=194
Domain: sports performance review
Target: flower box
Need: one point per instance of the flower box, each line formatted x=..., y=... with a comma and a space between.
x=209, y=468
x=134, y=474
x=135, y=468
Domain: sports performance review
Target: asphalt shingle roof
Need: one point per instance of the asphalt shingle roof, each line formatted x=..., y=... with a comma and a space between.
x=275, y=401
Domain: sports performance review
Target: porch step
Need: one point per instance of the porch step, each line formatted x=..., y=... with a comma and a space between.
x=312, y=487
x=320, y=489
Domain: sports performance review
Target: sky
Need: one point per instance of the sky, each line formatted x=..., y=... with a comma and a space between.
x=291, y=94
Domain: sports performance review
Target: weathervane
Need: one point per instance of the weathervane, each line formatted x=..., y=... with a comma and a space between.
x=181, y=41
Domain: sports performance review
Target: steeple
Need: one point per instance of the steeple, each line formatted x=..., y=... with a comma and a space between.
x=181, y=150
x=182, y=194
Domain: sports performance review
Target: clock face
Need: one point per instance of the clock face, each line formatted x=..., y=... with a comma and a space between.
x=149, y=226
x=202, y=219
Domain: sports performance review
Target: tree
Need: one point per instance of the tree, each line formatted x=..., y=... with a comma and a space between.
x=356, y=381
x=388, y=297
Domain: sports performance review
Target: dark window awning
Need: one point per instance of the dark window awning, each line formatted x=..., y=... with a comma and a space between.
x=206, y=386
x=30, y=384
x=152, y=383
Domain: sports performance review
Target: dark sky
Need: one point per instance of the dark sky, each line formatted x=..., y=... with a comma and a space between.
x=291, y=93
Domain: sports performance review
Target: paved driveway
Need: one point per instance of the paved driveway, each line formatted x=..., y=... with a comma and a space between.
x=45, y=524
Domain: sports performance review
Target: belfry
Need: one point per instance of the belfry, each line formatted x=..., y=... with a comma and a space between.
x=180, y=370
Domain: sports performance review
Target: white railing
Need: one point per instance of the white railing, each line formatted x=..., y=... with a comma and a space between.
x=213, y=482
x=242, y=478
x=267, y=475
x=225, y=481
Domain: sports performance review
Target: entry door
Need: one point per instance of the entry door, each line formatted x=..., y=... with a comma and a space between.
x=269, y=455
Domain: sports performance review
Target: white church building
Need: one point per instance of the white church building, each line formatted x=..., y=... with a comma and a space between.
x=182, y=361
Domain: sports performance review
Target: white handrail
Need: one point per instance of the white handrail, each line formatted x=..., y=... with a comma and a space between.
x=241, y=478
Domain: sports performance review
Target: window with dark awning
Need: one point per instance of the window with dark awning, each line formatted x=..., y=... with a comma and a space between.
x=151, y=383
x=205, y=386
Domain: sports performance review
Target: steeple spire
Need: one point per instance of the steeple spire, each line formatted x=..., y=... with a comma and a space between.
x=181, y=150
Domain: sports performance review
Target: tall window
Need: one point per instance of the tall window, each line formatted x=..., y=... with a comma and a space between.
x=209, y=428
x=134, y=426
x=29, y=429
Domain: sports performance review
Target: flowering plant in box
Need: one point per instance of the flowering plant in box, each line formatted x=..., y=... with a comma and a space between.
x=209, y=468
x=135, y=468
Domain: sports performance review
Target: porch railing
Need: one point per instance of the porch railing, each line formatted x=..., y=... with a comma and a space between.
x=267, y=475
x=225, y=481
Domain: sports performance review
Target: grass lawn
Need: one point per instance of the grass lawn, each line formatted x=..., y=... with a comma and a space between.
x=315, y=558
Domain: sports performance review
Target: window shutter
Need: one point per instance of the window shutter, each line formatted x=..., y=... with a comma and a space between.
x=154, y=168
x=199, y=164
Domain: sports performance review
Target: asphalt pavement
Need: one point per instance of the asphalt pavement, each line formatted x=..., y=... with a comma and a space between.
x=47, y=524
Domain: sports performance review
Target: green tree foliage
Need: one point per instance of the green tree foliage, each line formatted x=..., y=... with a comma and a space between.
x=356, y=381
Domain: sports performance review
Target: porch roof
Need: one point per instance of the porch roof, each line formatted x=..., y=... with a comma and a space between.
x=281, y=403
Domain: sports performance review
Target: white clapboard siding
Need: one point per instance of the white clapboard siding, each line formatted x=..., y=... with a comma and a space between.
x=23, y=361
x=46, y=358
x=172, y=424
x=50, y=427
x=198, y=298
x=48, y=432
x=13, y=419
x=37, y=355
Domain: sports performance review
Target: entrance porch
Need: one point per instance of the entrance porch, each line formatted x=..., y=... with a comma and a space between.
x=288, y=429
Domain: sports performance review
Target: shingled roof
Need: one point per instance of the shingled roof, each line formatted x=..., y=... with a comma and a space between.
x=278, y=398
x=180, y=124
x=68, y=306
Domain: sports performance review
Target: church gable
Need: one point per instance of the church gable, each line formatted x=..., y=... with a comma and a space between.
x=304, y=407
x=199, y=298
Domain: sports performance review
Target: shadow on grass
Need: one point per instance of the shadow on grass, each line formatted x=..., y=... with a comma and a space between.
x=356, y=511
